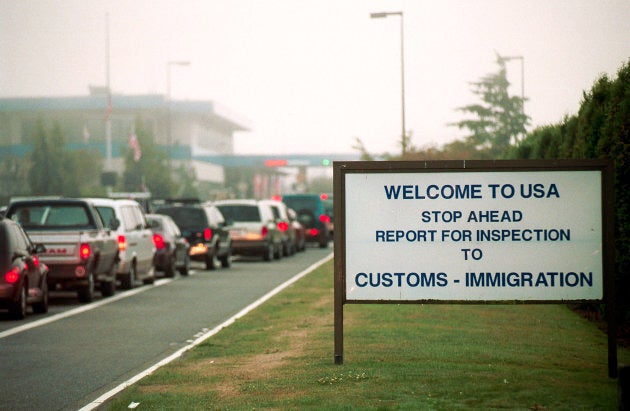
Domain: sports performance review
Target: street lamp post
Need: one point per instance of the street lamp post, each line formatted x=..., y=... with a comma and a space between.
x=384, y=14
x=169, y=139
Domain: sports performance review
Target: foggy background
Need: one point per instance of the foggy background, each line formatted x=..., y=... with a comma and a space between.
x=312, y=76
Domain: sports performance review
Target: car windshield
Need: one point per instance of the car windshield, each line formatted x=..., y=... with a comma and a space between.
x=185, y=217
x=240, y=213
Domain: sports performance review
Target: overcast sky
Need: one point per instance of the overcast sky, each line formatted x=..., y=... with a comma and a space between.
x=311, y=76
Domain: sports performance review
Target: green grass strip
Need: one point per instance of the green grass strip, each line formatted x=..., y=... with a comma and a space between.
x=396, y=357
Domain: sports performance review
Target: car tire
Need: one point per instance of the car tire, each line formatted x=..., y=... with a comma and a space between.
x=268, y=253
x=226, y=260
x=129, y=280
x=278, y=252
x=169, y=270
x=41, y=307
x=85, y=294
x=18, y=308
x=186, y=268
x=210, y=262
x=108, y=287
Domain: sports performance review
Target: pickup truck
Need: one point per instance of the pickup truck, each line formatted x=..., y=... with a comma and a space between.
x=81, y=252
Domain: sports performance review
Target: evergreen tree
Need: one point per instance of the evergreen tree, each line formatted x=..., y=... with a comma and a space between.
x=498, y=120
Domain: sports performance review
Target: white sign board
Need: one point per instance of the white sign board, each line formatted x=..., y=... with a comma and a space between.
x=473, y=236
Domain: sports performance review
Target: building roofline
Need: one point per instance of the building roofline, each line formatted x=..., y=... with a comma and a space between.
x=126, y=102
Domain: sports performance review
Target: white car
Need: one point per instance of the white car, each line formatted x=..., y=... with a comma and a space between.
x=135, y=240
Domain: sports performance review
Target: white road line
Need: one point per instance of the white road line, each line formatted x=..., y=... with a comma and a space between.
x=82, y=309
x=100, y=400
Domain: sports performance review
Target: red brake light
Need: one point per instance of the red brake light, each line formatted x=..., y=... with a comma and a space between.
x=36, y=261
x=283, y=226
x=323, y=196
x=12, y=276
x=264, y=231
x=122, y=243
x=158, y=240
x=207, y=234
x=324, y=219
x=314, y=232
x=85, y=251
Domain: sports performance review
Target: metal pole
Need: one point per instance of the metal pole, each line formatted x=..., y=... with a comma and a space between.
x=108, y=120
x=379, y=15
x=402, y=85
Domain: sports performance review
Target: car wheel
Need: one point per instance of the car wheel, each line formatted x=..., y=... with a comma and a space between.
x=41, y=306
x=18, y=308
x=129, y=281
x=150, y=278
x=226, y=260
x=86, y=292
x=278, y=252
x=268, y=253
x=108, y=287
x=186, y=268
x=210, y=262
x=169, y=270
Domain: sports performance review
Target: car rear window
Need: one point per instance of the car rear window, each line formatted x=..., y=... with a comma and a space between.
x=186, y=218
x=300, y=203
x=240, y=212
x=52, y=216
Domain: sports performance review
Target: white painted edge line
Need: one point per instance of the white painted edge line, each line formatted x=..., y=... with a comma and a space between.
x=100, y=400
x=82, y=309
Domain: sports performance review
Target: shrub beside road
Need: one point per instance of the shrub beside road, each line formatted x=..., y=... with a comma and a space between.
x=444, y=357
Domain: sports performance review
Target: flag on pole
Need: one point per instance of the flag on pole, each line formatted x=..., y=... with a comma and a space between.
x=135, y=146
x=86, y=133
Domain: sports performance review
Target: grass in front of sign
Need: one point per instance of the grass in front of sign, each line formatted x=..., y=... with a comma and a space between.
x=443, y=357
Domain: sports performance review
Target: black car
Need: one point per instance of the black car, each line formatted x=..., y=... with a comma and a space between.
x=171, y=247
x=205, y=229
x=23, y=277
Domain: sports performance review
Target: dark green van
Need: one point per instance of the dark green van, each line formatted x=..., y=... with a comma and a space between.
x=312, y=214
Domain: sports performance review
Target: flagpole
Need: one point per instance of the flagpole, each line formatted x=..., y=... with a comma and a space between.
x=108, y=120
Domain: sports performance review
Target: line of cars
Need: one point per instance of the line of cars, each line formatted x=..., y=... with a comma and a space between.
x=90, y=244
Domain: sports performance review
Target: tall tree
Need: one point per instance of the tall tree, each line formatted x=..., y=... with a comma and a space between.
x=497, y=121
x=46, y=175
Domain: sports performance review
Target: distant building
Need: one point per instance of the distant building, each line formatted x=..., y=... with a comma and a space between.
x=197, y=128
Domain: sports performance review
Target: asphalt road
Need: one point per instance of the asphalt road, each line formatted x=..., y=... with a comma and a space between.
x=69, y=362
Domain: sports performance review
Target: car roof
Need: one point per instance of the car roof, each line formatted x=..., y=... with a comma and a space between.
x=43, y=201
x=112, y=201
x=246, y=201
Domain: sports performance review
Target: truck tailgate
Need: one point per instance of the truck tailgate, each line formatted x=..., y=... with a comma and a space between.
x=61, y=248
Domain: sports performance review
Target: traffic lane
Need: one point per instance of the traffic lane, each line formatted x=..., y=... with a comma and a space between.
x=97, y=350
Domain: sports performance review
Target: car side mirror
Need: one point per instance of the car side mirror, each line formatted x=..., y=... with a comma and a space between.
x=40, y=248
